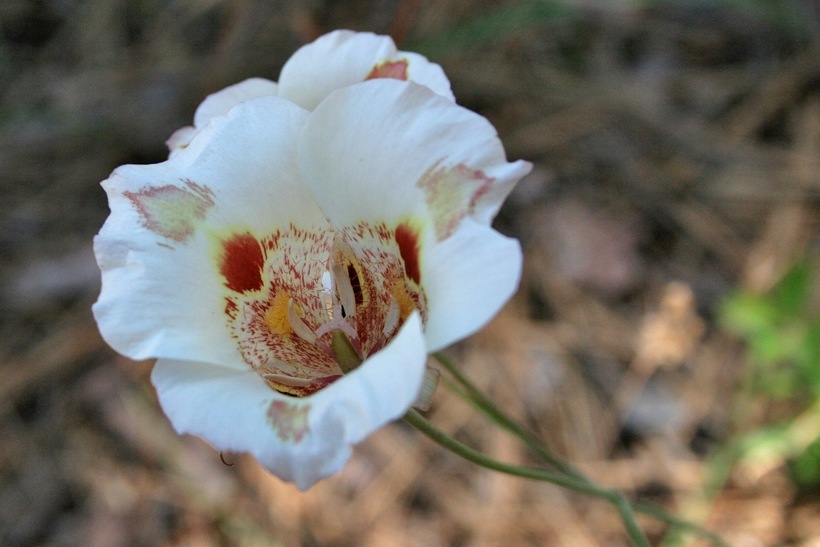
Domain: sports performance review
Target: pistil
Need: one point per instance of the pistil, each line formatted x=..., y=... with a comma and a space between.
x=345, y=354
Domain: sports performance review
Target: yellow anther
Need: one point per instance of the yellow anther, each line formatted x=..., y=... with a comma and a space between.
x=276, y=316
x=391, y=320
x=403, y=298
x=299, y=327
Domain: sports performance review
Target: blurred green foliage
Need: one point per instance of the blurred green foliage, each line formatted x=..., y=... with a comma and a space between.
x=781, y=331
x=805, y=467
x=782, y=334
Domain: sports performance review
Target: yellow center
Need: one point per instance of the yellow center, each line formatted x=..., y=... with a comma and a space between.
x=276, y=316
x=403, y=298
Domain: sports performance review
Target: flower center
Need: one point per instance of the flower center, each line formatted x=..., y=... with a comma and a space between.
x=324, y=301
x=344, y=294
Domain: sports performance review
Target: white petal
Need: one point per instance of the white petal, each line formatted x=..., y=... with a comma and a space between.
x=247, y=158
x=342, y=58
x=299, y=440
x=467, y=279
x=386, y=149
x=422, y=71
x=221, y=102
x=162, y=293
x=180, y=139
x=163, y=302
x=218, y=104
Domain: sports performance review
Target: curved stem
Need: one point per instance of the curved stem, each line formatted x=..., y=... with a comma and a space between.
x=474, y=396
x=677, y=524
x=470, y=454
x=477, y=398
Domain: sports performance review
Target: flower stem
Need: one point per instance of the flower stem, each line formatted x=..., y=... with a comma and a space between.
x=474, y=396
x=477, y=398
x=470, y=454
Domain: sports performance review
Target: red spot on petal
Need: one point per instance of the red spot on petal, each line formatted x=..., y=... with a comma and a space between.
x=408, y=243
x=241, y=263
x=389, y=69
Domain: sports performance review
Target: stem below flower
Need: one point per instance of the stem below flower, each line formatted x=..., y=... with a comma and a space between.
x=472, y=395
x=470, y=454
x=477, y=398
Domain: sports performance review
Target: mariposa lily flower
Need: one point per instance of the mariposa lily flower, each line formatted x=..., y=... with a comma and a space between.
x=291, y=270
x=333, y=61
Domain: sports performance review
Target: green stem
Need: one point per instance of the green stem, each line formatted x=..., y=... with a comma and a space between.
x=470, y=454
x=477, y=398
x=474, y=396
x=676, y=524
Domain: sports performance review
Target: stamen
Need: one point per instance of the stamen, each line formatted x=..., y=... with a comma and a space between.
x=327, y=300
x=283, y=380
x=299, y=326
x=338, y=323
x=345, y=290
x=393, y=317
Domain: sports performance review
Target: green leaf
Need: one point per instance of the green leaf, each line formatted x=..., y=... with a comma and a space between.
x=747, y=314
x=791, y=293
x=805, y=468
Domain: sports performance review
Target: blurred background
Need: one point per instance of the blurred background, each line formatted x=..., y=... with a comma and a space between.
x=665, y=338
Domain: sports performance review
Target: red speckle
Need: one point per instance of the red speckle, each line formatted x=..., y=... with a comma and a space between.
x=389, y=69
x=241, y=263
x=408, y=243
x=231, y=308
x=312, y=387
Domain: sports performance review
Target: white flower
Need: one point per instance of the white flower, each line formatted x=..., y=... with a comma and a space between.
x=261, y=263
x=335, y=60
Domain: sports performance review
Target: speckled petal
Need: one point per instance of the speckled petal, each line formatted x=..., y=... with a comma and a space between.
x=391, y=150
x=162, y=249
x=299, y=439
